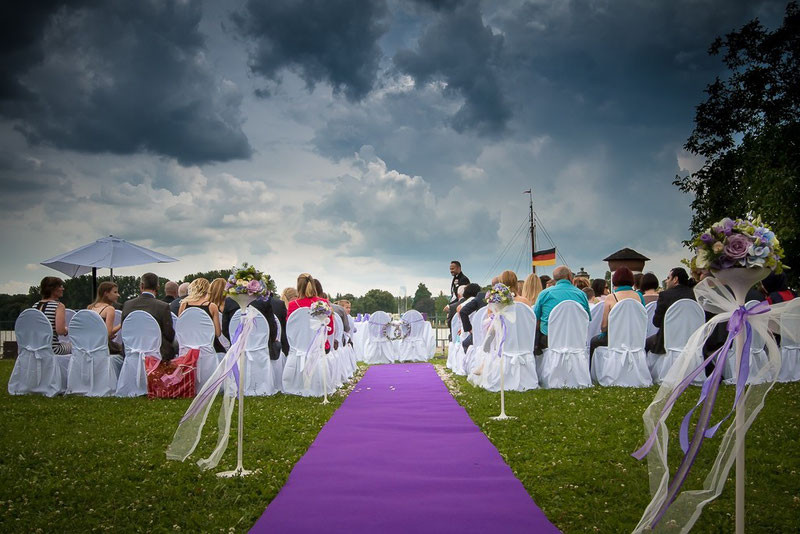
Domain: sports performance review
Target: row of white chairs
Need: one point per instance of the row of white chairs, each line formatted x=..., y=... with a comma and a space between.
x=90, y=370
x=624, y=362
x=374, y=347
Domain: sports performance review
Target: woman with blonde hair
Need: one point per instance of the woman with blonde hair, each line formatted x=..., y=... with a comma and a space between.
x=289, y=294
x=509, y=278
x=198, y=297
x=531, y=288
x=103, y=305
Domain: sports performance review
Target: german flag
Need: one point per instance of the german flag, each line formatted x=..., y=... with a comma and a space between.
x=544, y=257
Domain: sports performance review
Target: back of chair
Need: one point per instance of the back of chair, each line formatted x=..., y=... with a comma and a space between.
x=627, y=325
x=519, y=334
x=417, y=323
x=478, y=333
x=376, y=323
x=790, y=330
x=88, y=332
x=259, y=336
x=651, y=311
x=596, y=321
x=141, y=334
x=298, y=330
x=236, y=319
x=568, y=326
x=33, y=331
x=338, y=327
x=455, y=325
x=680, y=322
x=195, y=329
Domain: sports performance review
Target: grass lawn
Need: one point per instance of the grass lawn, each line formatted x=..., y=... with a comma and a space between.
x=74, y=464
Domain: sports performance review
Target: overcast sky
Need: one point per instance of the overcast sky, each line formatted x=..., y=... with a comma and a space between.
x=368, y=143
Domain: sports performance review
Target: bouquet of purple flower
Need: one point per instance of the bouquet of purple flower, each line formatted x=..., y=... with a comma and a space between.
x=499, y=296
x=320, y=310
x=246, y=280
x=740, y=243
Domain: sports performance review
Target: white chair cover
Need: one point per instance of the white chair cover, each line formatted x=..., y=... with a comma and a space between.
x=758, y=358
x=680, y=322
x=336, y=354
x=413, y=347
x=300, y=336
x=378, y=349
x=68, y=315
x=651, y=312
x=475, y=353
x=142, y=338
x=790, y=349
x=259, y=371
x=348, y=357
x=519, y=367
x=565, y=362
x=429, y=334
x=118, y=322
x=360, y=338
x=623, y=362
x=195, y=330
x=595, y=322
x=93, y=371
x=174, y=320
x=37, y=369
x=455, y=351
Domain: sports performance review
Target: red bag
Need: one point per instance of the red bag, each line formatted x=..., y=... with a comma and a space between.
x=175, y=379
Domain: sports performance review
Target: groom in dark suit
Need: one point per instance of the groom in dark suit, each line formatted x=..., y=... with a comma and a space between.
x=159, y=309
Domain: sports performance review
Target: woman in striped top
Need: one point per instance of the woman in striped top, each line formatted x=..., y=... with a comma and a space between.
x=52, y=289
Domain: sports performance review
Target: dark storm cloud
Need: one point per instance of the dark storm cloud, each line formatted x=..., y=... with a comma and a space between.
x=461, y=51
x=121, y=77
x=329, y=41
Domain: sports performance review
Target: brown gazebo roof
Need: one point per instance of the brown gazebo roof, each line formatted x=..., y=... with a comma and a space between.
x=626, y=254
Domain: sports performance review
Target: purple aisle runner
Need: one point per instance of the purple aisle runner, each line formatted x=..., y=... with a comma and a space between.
x=401, y=455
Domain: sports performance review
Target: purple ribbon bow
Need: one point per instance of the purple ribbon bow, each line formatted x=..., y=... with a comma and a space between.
x=708, y=397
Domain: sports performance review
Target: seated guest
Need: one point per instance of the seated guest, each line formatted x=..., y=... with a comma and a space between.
x=279, y=310
x=103, y=305
x=581, y=282
x=776, y=289
x=51, y=290
x=175, y=305
x=544, y=279
x=678, y=287
x=637, y=282
x=307, y=295
x=509, y=278
x=321, y=293
x=520, y=286
x=622, y=280
x=600, y=288
x=474, y=300
x=159, y=309
x=531, y=288
x=590, y=296
x=170, y=291
x=198, y=298
x=288, y=295
x=551, y=296
x=649, y=287
x=226, y=305
x=264, y=305
x=452, y=308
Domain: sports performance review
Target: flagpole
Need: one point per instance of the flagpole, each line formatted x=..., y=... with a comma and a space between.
x=533, y=229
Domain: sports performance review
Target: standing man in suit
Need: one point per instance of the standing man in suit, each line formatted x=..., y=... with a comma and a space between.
x=678, y=287
x=159, y=309
x=459, y=279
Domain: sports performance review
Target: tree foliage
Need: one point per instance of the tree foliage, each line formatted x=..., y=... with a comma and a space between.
x=748, y=132
x=423, y=301
x=374, y=300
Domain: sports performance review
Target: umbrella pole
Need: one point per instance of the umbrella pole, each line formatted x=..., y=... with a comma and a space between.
x=94, y=282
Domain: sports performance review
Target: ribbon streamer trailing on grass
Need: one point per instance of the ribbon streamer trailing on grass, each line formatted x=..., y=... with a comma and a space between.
x=190, y=428
x=670, y=508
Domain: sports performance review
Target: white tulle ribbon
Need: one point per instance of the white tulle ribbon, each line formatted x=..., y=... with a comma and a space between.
x=677, y=512
x=225, y=375
x=316, y=349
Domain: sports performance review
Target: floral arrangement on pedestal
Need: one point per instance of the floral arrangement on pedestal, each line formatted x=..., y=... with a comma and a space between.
x=247, y=280
x=320, y=310
x=738, y=253
x=498, y=297
x=737, y=243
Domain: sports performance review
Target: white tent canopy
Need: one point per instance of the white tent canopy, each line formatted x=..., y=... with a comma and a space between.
x=108, y=252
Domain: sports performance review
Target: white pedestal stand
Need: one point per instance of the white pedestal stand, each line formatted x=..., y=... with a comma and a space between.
x=502, y=416
x=324, y=375
x=240, y=471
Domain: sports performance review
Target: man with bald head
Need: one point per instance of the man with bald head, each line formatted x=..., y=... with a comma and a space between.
x=170, y=291
x=550, y=297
